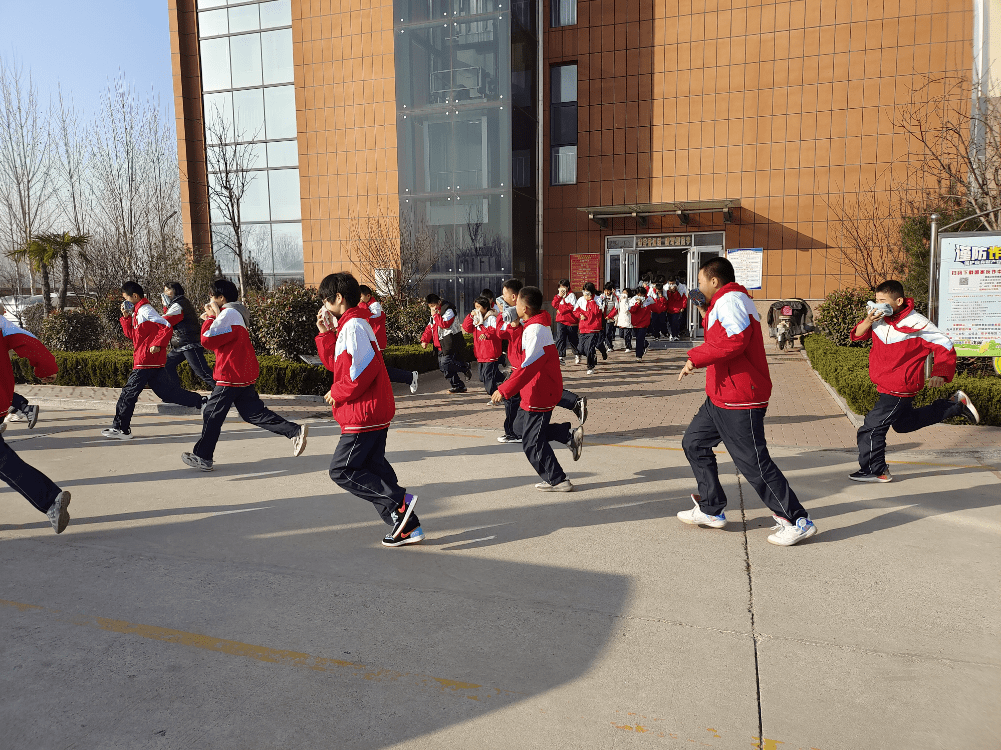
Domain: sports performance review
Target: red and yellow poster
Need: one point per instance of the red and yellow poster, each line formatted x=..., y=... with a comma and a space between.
x=584, y=267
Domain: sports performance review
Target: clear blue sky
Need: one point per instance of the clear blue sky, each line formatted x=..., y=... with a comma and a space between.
x=82, y=44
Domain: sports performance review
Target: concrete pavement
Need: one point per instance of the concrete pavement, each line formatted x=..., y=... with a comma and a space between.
x=254, y=607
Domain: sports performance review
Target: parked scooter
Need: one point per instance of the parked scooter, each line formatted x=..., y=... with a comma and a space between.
x=787, y=319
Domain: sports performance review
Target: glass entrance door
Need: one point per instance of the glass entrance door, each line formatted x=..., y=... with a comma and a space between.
x=696, y=257
x=622, y=262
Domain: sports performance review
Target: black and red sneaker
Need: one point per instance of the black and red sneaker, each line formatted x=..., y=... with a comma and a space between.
x=402, y=514
x=412, y=533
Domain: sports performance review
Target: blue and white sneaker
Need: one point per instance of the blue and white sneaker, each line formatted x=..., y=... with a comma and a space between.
x=787, y=534
x=696, y=517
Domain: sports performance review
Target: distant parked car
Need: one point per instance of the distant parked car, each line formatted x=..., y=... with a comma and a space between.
x=15, y=305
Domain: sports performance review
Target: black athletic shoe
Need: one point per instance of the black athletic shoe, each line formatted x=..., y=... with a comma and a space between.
x=604, y=354
x=863, y=476
x=468, y=373
x=580, y=409
x=413, y=534
x=402, y=514
x=969, y=411
x=457, y=389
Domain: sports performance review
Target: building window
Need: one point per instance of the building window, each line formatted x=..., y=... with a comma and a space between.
x=563, y=124
x=562, y=13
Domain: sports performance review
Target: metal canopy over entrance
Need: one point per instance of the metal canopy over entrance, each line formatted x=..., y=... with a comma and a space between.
x=640, y=211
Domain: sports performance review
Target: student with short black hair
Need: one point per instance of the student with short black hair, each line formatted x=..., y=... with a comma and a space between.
x=482, y=324
x=610, y=302
x=444, y=331
x=902, y=339
x=149, y=333
x=185, y=343
x=566, y=322
x=624, y=320
x=225, y=332
x=737, y=388
x=538, y=383
x=362, y=402
x=591, y=317
x=640, y=309
x=377, y=319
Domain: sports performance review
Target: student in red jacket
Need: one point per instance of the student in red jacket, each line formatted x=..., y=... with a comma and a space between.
x=33, y=485
x=640, y=308
x=224, y=331
x=377, y=319
x=444, y=332
x=362, y=402
x=150, y=334
x=738, y=387
x=566, y=322
x=482, y=323
x=609, y=301
x=592, y=324
x=539, y=384
x=901, y=341
x=676, y=303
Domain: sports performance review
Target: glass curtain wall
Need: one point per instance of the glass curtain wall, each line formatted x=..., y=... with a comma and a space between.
x=466, y=131
x=247, y=83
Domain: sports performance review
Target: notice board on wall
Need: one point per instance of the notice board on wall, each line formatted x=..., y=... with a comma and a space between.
x=747, y=265
x=584, y=267
x=969, y=292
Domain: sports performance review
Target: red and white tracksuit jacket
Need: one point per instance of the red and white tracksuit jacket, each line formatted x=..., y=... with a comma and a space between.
x=659, y=305
x=640, y=312
x=590, y=315
x=676, y=302
x=564, y=307
x=486, y=340
x=734, y=352
x=26, y=346
x=227, y=335
x=900, y=344
x=362, y=393
x=146, y=328
x=537, y=378
x=377, y=319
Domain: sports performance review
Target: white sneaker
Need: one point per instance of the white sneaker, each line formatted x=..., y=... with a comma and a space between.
x=576, y=444
x=696, y=517
x=113, y=433
x=787, y=534
x=508, y=439
x=413, y=383
x=590, y=372
x=576, y=360
x=3, y=427
x=299, y=441
x=564, y=486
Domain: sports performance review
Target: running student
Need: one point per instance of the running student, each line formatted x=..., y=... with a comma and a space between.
x=19, y=409
x=592, y=321
x=377, y=319
x=610, y=303
x=445, y=332
x=32, y=484
x=482, y=323
x=538, y=383
x=901, y=341
x=224, y=331
x=640, y=308
x=362, y=402
x=149, y=334
x=737, y=387
x=566, y=322
x=676, y=304
x=624, y=320
x=186, y=341
x=511, y=331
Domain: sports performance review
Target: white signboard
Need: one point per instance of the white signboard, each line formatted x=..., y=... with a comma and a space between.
x=747, y=264
x=969, y=292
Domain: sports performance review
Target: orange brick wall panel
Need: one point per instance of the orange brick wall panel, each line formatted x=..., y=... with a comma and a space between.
x=786, y=105
x=345, y=76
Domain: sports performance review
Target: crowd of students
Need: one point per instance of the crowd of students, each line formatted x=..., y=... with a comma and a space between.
x=513, y=329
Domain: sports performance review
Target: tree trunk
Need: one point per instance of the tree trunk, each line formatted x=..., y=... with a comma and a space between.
x=64, y=281
x=46, y=289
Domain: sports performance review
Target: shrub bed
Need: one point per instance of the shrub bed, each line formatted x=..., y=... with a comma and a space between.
x=846, y=369
x=110, y=368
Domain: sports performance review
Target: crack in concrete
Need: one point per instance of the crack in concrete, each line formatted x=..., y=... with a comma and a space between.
x=750, y=607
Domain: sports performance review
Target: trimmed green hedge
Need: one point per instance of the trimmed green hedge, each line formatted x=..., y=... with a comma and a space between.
x=846, y=369
x=110, y=368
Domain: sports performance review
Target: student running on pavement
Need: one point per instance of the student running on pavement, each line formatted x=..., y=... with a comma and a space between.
x=737, y=387
x=591, y=315
x=901, y=341
x=377, y=319
x=511, y=330
x=538, y=383
x=32, y=484
x=482, y=324
x=363, y=404
x=610, y=302
x=224, y=331
x=186, y=341
x=444, y=331
x=564, y=303
x=149, y=333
